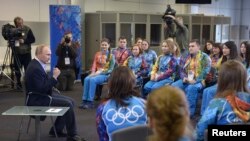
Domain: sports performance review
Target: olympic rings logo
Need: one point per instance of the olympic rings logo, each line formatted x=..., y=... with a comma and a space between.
x=234, y=120
x=118, y=117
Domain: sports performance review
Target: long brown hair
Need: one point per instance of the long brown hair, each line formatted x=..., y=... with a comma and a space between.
x=232, y=78
x=168, y=108
x=121, y=85
x=233, y=52
x=209, y=52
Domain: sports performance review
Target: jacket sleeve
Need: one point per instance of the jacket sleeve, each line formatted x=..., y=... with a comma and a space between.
x=209, y=117
x=143, y=69
x=170, y=71
x=206, y=66
x=72, y=52
x=111, y=65
x=155, y=67
x=125, y=63
x=39, y=81
x=30, y=37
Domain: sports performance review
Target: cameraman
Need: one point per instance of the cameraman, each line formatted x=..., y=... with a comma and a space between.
x=22, y=49
x=179, y=31
x=66, y=52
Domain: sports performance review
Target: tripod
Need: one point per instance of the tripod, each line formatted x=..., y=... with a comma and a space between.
x=9, y=58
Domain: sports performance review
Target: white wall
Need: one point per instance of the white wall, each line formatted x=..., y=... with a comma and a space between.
x=238, y=10
x=35, y=14
x=38, y=10
x=29, y=10
x=229, y=8
x=137, y=6
x=245, y=20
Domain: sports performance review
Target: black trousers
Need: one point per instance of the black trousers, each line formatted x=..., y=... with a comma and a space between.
x=68, y=119
x=66, y=80
x=20, y=61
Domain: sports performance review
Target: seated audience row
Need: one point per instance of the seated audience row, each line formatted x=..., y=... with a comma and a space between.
x=166, y=106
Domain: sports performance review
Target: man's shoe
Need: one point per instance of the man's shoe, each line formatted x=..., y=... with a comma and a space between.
x=59, y=134
x=75, y=138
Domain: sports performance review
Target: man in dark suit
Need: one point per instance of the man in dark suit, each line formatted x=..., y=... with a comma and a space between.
x=37, y=81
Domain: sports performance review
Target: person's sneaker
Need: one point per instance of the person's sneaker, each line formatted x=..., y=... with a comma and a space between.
x=75, y=138
x=83, y=104
x=89, y=105
x=59, y=134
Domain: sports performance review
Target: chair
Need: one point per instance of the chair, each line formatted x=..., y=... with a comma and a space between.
x=98, y=91
x=42, y=118
x=84, y=75
x=133, y=133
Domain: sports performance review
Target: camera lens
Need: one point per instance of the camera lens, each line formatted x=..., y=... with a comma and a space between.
x=67, y=40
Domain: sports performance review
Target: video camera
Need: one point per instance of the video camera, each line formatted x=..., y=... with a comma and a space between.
x=169, y=11
x=10, y=32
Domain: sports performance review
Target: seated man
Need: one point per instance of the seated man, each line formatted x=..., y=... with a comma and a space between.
x=193, y=69
x=37, y=81
x=121, y=53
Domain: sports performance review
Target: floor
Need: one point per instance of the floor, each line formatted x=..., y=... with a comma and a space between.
x=9, y=125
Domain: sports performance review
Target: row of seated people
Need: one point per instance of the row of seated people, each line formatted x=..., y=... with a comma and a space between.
x=229, y=52
x=166, y=109
x=124, y=107
x=140, y=59
x=162, y=70
x=106, y=60
x=192, y=72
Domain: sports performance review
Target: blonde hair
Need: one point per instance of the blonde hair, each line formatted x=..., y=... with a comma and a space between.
x=170, y=44
x=168, y=108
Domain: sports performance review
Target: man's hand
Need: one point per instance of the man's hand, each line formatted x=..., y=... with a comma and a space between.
x=152, y=77
x=186, y=80
x=21, y=41
x=56, y=72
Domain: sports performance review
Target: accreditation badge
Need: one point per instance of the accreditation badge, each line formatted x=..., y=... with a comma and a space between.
x=67, y=61
x=17, y=43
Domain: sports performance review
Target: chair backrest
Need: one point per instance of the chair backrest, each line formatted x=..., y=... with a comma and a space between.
x=134, y=133
x=38, y=99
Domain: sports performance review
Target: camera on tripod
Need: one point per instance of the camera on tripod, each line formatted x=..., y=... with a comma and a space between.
x=11, y=33
x=169, y=11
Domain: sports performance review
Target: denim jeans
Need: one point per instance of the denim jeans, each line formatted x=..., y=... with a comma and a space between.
x=191, y=91
x=89, y=87
x=151, y=85
x=207, y=96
